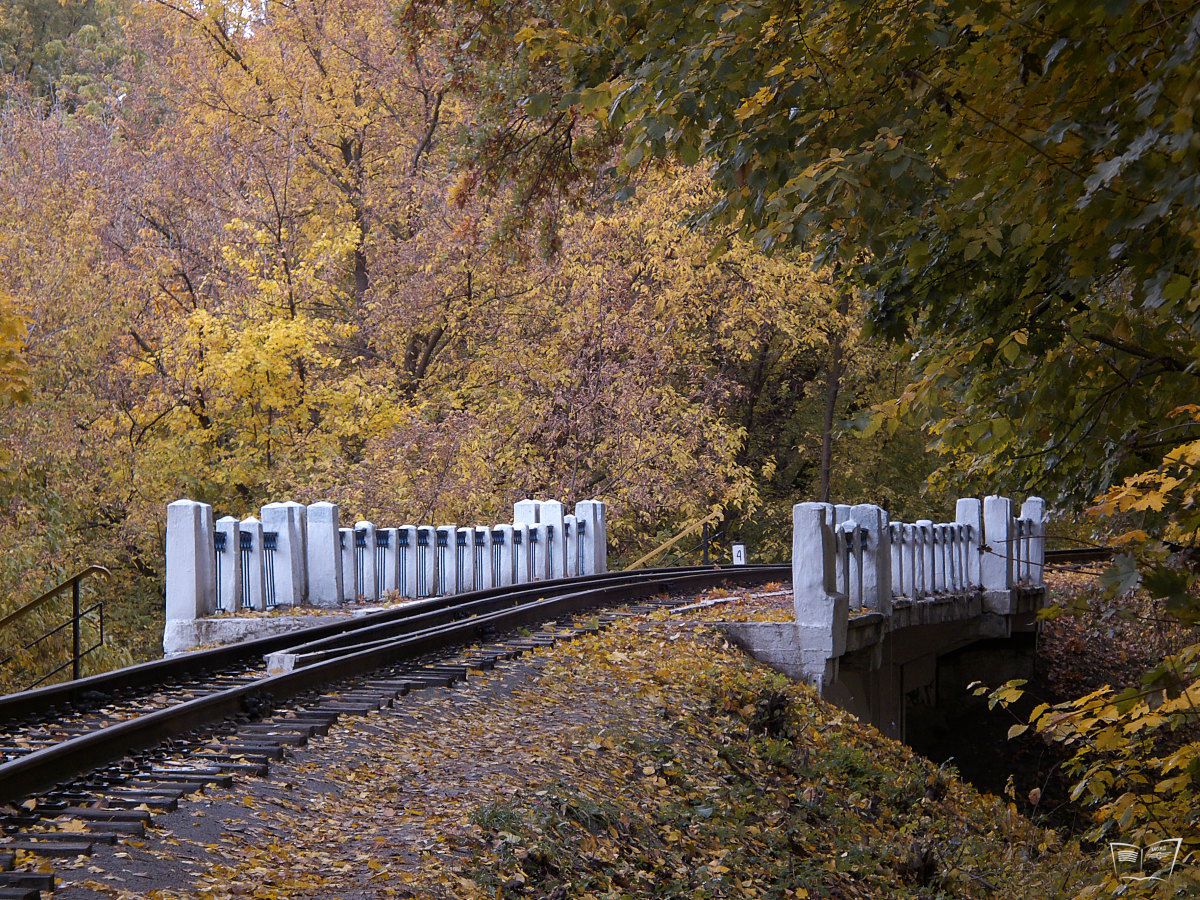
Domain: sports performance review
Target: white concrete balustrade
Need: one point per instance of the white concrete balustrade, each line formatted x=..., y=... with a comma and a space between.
x=848, y=561
x=296, y=555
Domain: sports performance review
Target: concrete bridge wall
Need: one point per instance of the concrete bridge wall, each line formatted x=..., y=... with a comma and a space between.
x=878, y=603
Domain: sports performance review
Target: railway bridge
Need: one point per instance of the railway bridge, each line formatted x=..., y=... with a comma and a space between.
x=878, y=606
x=890, y=615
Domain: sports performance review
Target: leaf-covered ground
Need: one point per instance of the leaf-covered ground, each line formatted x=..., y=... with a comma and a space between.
x=649, y=761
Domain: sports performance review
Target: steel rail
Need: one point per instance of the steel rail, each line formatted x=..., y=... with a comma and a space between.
x=50, y=766
x=516, y=594
x=151, y=675
x=1079, y=555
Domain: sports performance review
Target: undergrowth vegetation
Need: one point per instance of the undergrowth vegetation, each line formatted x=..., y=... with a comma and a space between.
x=750, y=786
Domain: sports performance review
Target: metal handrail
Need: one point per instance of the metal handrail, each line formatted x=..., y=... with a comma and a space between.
x=44, y=598
x=77, y=653
x=691, y=528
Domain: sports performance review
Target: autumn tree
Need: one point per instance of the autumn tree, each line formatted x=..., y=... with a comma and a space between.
x=1015, y=185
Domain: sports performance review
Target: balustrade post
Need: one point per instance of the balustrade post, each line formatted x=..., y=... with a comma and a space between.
x=896, y=536
x=537, y=552
x=323, y=554
x=349, y=564
x=447, y=544
x=208, y=560
x=368, y=567
x=571, y=545
x=1034, y=509
x=876, y=557
x=592, y=516
x=254, y=564
x=187, y=574
x=522, y=563
x=229, y=584
x=407, y=571
x=503, y=564
x=391, y=556
x=482, y=558
x=527, y=512
x=996, y=573
x=464, y=551
x=286, y=567
x=822, y=614
x=551, y=515
x=968, y=511
x=299, y=559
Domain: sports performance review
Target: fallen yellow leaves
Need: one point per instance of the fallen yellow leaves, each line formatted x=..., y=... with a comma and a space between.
x=649, y=760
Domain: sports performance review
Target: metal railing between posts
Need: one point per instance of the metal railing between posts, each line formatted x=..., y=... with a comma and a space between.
x=691, y=528
x=75, y=623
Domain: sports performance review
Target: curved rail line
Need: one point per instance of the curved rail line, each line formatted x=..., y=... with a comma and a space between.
x=329, y=654
x=96, y=690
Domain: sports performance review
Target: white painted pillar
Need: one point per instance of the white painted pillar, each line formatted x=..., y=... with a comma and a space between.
x=571, y=542
x=951, y=534
x=526, y=512
x=968, y=511
x=496, y=553
x=939, y=558
x=300, y=560
x=389, y=557
x=896, y=537
x=349, y=562
x=812, y=552
x=521, y=553
x=190, y=589
x=482, y=558
x=877, y=557
x=254, y=565
x=925, y=563
x=537, y=552
x=465, y=558
x=593, y=514
x=368, y=569
x=283, y=571
x=447, y=539
x=821, y=612
x=908, y=550
x=426, y=555
x=551, y=515
x=405, y=560
x=846, y=575
x=1034, y=508
x=601, y=535
x=583, y=538
x=996, y=563
x=502, y=567
x=209, y=557
x=323, y=553
x=229, y=564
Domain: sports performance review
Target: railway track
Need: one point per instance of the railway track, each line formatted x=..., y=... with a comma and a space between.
x=89, y=762
x=1077, y=556
x=35, y=719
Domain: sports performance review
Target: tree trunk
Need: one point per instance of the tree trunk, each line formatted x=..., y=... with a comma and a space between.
x=833, y=386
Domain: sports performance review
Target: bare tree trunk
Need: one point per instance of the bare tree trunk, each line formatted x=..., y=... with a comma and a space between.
x=833, y=386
